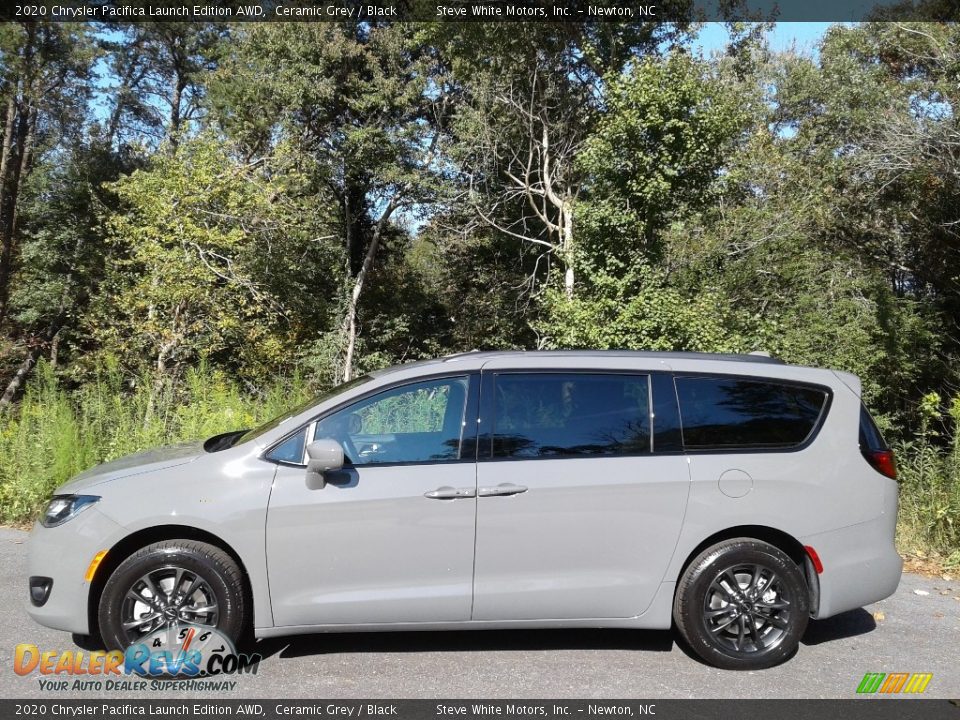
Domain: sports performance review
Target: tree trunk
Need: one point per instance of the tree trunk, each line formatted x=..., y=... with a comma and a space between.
x=159, y=380
x=348, y=234
x=350, y=320
x=17, y=382
x=176, y=100
x=567, y=244
x=563, y=203
x=55, y=349
x=15, y=161
x=167, y=351
x=349, y=327
x=8, y=133
x=25, y=159
x=8, y=212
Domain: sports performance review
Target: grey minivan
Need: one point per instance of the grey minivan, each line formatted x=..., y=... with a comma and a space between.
x=733, y=495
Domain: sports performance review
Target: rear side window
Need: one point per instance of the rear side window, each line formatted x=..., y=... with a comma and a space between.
x=870, y=437
x=728, y=413
x=570, y=415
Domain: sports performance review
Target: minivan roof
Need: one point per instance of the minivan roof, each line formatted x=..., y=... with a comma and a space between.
x=644, y=354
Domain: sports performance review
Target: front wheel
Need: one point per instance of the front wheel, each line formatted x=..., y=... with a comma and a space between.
x=742, y=604
x=168, y=585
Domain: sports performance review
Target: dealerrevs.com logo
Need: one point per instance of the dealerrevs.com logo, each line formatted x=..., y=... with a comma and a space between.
x=894, y=683
x=171, y=655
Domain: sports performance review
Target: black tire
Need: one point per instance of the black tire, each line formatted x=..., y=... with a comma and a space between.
x=754, y=626
x=87, y=642
x=220, y=582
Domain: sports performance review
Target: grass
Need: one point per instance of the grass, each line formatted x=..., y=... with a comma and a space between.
x=929, y=474
x=53, y=434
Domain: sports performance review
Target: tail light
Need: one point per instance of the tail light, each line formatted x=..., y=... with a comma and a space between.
x=883, y=462
x=875, y=450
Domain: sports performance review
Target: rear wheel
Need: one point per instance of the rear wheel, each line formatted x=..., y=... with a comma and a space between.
x=170, y=584
x=742, y=604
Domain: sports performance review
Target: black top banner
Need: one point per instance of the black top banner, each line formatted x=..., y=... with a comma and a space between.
x=617, y=11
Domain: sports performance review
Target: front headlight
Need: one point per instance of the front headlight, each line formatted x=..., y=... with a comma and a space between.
x=63, y=507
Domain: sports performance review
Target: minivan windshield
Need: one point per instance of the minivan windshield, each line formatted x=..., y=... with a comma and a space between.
x=278, y=421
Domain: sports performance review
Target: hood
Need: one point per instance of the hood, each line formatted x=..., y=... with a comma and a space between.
x=160, y=458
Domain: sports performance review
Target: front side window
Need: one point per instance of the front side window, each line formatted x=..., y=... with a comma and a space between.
x=290, y=414
x=290, y=450
x=748, y=414
x=421, y=422
x=569, y=415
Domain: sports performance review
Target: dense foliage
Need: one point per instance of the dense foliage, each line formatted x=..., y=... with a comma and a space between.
x=200, y=224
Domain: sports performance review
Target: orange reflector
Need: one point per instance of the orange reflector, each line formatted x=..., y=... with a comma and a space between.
x=94, y=564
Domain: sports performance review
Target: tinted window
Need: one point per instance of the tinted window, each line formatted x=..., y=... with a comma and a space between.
x=870, y=437
x=290, y=450
x=559, y=415
x=733, y=413
x=420, y=422
x=290, y=414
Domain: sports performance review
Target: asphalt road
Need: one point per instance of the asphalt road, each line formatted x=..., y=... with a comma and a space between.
x=908, y=632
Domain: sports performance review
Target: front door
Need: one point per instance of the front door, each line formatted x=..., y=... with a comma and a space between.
x=390, y=538
x=576, y=518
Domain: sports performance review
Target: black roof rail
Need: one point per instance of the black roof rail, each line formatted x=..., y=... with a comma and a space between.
x=754, y=357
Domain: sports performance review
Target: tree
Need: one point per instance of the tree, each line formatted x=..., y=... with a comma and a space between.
x=354, y=99
x=658, y=151
x=632, y=306
x=157, y=72
x=523, y=183
x=527, y=103
x=909, y=163
x=43, y=72
x=794, y=235
x=63, y=256
x=877, y=137
x=209, y=265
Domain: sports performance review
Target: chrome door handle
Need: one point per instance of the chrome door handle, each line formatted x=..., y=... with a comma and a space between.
x=449, y=493
x=501, y=490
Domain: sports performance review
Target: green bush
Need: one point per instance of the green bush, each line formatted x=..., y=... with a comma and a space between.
x=53, y=434
x=624, y=305
x=929, y=471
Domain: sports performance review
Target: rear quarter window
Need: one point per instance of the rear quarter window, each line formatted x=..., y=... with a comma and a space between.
x=737, y=413
x=870, y=437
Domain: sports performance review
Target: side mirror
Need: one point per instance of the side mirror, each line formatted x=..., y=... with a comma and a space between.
x=322, y=457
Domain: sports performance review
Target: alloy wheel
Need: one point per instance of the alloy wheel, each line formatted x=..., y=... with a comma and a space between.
x=168, y=598
x=747, y=609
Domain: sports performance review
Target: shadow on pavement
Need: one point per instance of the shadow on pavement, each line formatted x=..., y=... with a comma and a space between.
x=464, y=641
x=848, y=624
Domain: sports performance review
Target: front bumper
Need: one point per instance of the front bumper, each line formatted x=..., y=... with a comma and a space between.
x=63, y=554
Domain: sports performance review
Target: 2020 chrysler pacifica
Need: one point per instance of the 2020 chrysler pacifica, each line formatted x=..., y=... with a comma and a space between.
x=736, y=496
